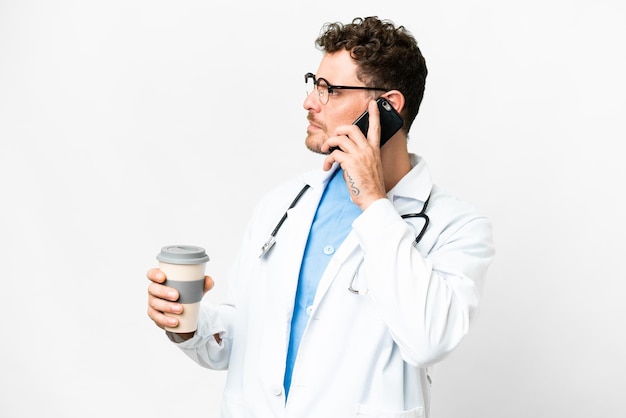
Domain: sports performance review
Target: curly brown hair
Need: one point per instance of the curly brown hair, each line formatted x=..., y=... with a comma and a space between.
x=386, y=56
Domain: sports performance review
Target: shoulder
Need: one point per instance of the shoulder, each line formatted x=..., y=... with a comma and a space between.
x=457, y=219
x=448, y=202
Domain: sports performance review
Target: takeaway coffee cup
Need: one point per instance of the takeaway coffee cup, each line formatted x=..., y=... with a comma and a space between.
x=184, y=267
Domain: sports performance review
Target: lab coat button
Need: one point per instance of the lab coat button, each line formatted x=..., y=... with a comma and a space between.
x=309, y=309
x=276, y=390
x=329, y=249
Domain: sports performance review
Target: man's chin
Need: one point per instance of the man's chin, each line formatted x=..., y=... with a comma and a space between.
x=314, y=146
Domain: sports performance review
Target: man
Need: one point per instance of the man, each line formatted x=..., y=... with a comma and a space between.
x=375, y=273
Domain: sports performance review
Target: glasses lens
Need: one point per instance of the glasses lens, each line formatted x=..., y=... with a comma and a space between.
x=322, y=90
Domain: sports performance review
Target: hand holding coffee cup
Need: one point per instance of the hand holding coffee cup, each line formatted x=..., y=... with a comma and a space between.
x=184, y=268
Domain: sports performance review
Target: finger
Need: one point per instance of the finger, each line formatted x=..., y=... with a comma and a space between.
x=160, y=319
x=158, y=308
x=339, y=155
x=208, y=283
x=347, y=138
x=163, y=305
x=334, y=142
x=163, y=292
x=328, y=162
x=373, y=131
x=156, y=275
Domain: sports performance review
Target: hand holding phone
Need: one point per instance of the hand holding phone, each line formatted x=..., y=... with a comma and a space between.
x=390, y=121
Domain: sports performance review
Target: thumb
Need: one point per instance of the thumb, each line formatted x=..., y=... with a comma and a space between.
x=208, y=283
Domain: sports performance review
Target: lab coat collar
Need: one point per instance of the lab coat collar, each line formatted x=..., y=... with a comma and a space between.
x=319, y=178
x=416, y=184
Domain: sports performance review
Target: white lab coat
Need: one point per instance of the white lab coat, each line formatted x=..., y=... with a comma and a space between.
x=361, y=355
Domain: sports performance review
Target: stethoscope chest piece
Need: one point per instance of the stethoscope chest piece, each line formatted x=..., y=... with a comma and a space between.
x=267, y=246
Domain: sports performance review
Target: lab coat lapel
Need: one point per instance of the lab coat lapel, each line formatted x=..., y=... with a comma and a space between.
x=293, y=237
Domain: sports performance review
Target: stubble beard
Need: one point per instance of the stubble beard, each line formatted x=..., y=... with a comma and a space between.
x=313, y=145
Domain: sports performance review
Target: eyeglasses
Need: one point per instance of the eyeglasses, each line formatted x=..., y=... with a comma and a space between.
x=325, y=89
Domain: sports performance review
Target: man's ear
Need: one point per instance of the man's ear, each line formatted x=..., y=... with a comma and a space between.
x=396, y=98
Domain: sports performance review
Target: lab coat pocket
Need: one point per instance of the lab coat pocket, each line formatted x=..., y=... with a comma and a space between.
x=372, y=412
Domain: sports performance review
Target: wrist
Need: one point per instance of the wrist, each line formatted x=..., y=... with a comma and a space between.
x=180, y=337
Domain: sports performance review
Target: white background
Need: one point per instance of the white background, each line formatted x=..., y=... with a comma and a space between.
x=129, y=125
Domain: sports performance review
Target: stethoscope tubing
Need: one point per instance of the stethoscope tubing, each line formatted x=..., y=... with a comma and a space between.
x=421, y=214
x=272, y=238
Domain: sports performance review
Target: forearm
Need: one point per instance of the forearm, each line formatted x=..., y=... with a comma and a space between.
x=426, y=299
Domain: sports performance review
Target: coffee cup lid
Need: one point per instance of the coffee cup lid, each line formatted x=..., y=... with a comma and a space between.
x=182, y=254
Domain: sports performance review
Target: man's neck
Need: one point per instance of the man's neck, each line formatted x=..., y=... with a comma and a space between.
x=395, y=159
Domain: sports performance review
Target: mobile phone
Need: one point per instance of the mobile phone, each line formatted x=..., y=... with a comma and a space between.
x=390, y=121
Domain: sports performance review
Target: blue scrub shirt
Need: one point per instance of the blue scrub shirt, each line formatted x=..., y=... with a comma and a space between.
x=331, y=224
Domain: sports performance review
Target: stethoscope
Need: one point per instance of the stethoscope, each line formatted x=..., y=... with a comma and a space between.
x=271, y=241
x=418, y=238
